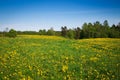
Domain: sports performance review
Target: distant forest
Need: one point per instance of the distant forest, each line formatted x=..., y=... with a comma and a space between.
x=88, y=30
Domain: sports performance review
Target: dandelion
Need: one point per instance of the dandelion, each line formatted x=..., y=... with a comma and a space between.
x=65, y=78
x=20, y=73
x=23, y=79
x=39, y=72
x=94, y=59
x=30, y=67
x=5, y=77
x=113, y=76
x=64, y=68
x=1, y=72
x=66, y=58
x=83, y=56
x=29, y=78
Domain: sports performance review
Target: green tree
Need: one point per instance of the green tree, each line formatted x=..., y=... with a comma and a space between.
x=71, y=34
x=97, y=29
x=105, y=23
x=88, y=30
x=12, y=33
x=106, y=29
x=118, y=27
x=51, y=31
x=91, y=30
x=42, y=32
x=114, y=31
x=85, y=30
x=77, y=33
x=64, y=31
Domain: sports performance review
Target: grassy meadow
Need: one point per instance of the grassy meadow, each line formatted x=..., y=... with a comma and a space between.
x=34, y=57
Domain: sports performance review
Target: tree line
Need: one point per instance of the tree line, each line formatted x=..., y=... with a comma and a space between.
x=88, y=30
x=93, y=30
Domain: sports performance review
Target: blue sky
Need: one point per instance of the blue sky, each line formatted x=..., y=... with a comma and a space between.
x=44, y=14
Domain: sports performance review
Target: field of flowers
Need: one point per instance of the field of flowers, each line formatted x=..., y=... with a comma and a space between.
x=37, y=57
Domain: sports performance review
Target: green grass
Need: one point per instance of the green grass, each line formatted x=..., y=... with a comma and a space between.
x=56, y=58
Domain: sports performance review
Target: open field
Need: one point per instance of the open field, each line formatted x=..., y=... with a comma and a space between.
x=36, y=57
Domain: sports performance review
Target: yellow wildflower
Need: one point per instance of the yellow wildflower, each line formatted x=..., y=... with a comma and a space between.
x=64, y=68
x=94, y=59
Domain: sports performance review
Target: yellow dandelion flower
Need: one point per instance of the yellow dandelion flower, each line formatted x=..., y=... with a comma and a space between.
x=30, y=67
x=94, y=59
x=23, y=79
x=66, y=58
x=39, y=72
x=29, y=78
x=64, y=68
x=83, y=56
